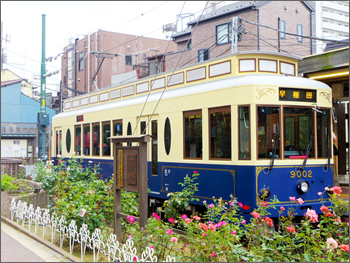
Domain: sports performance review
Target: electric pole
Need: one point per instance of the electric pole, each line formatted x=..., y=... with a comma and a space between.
x=43, y=118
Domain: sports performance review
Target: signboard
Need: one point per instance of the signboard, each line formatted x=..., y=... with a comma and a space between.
x=19, y=213
x=290, y=94
x=80, y=118
x=127, y=167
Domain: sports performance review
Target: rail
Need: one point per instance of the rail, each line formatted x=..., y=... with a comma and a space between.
x=12, y=163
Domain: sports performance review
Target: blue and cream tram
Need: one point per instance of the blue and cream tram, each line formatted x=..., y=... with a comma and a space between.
x=245, y=122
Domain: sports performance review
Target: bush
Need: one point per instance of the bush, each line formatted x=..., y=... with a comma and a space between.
x=6, y=183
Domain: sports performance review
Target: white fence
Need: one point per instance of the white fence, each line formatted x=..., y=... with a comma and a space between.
x=111, y=248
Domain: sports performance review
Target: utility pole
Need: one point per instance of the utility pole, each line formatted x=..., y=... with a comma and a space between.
x=234, y=35
x=43, y=118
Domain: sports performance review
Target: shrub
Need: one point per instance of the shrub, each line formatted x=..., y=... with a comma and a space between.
x=6, y=183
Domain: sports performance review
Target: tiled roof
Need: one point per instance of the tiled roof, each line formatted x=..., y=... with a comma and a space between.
x=9, y=82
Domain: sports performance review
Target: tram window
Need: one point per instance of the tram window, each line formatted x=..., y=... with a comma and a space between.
x=77, y=145
x=323, y=134
x=298, y=129
x=244, y=133
x=118, y=128
x=106, y=133
x=68, y=139
x=143, y=127
x=268, y=132
x=220, y=132
x=60, y=144
x=167, y=136
x=86, y=139
x=155, y=147
x=57, y=143
x=96, y=139
x=129, y=132
x=193, y=134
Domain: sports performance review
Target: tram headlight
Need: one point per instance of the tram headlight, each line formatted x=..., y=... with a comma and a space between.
x=303, y=186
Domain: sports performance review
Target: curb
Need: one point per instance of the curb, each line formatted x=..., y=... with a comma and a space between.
x=40, y=240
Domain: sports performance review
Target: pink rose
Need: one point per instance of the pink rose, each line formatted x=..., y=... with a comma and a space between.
x=282, y=208
x=213, y=254
x=151, y=247
x=337, y=190
x=211, y=205
x=345, y=247
x=311, y=214
x=169, y=232
x=129, y=236
x=256, y=214
x=291, y=229
x=134, y=259
x=204, y=234
x=130, y=219
x=300, y=201
x=324, y=209
x=183, y=216
x=234, y=232
x=319, y=193
x=188, y=220
x=292, y=198
x=243, y=222
x=196, y=218
x=171, y=220
x=173, y=239
x=331, y=243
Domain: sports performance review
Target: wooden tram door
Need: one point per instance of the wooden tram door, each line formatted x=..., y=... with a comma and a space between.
x=151, y=129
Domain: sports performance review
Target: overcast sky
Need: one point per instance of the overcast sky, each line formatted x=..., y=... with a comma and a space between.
x=22, y=22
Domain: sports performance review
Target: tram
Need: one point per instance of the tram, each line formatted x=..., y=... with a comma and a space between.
x=245, y=122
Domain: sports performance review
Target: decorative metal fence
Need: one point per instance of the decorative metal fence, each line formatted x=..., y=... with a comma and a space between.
x=111, y=248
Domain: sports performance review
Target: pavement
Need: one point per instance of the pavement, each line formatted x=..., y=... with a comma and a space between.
x=18, y=247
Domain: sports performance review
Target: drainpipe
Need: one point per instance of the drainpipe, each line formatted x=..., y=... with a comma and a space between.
x=88, y=68
x=279, y=37
x=96, y=56
x=311, y=40
x=258, y=29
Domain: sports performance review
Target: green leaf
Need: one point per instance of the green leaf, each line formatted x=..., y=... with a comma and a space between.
x=307, y=257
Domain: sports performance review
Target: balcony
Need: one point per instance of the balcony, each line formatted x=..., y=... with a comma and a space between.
x=335, y=27
x=336, y=6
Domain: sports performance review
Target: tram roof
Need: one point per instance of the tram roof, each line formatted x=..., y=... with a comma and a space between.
x=254, y=79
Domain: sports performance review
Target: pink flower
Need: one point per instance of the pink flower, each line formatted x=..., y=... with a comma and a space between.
x=134, y=259
x=169, y=232
x=130, y=219
x=319, y=193
x=243, y=222
x=292, y=198
x=269, y=221
x=90, y=161
x=171, y=220
x=204, y=226
x=337, y=220
x=151, y=236
x=151, y=247
x=211, y=205
x=204, y=234
x=324, y=209
x=331, y=243
x=130, y=236
x=291, y=229
x=337, y=190
x=204, y=202
x=183, y=216
x=213, y=254
x=326, y=188
x=212, y=227
x=311, y=214
x=256, y=214
x=173, y=239
x=300, y=201
x=345, y=248
x=234, y=232
x=282, y=208
x=240, y=204
x=188, y=220
x=329, y=214
x=265, y=204
x=196, y=218
x=156, y=216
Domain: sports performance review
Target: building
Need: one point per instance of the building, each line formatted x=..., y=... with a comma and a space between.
x=26, y=87
x=212, y=36
x=103, y=58
x=332, y=68
x=331, y=21
x=19, y=117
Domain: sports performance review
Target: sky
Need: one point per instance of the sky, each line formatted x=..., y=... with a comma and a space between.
x=22, y=24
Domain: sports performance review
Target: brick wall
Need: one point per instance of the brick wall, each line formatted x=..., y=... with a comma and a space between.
x=204, y=35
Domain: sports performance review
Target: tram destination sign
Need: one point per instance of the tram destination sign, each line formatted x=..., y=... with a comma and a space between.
x=80, y=118
x=291, y=94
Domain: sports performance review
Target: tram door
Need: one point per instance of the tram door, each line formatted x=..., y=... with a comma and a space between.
x=151, y=127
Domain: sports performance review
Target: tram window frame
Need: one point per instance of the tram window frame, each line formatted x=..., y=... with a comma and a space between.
x=185, y=115
x=121, y=128
x=96, y=149
x=143, y=127
x=239, y=133
x=329, y=138
x=257, y=133
x=167, y=135
x=108, y=142
x=57, y=144
x=60, y=142
x=313, y=152
x=87, y=125
x=154, y=150
x=76, y=144
x=219, y=110
x=68, y=140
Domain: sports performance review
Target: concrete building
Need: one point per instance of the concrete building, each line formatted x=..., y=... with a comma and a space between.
x=331, y=21
x=108, y=58
x=212, y=37
x=19, y=117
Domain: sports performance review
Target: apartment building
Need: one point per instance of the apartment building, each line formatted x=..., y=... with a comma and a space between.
x=331, y=21
x=101, y=59
x=210, y=35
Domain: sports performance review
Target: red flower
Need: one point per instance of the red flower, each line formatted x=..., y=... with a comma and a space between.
x=329, y=214
x=324, y=209
x=291, y=229
x=345, y=248
x=337, y=190
x=195, y=172
x=269, y=221
x=256, y=214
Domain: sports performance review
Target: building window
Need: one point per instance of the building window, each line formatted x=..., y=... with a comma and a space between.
x=268, y=131
x=220, y=132
x=193, y=134
x=81, y=61
x=244, y=133
x=24, y=130
x=224, y=33
x=96, y=139
x=189, y=44
x=283, y=29
x=203, y=54
x=128, y=60
x=86, y=139
x=144, y=58
x=106, y=142
x=10, y=130
x=300, y=32
x=18, y=130
x=167, y=136
x=3, y=129
x=77, y=145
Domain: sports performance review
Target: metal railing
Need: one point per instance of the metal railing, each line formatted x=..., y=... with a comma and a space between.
x=111, y=247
